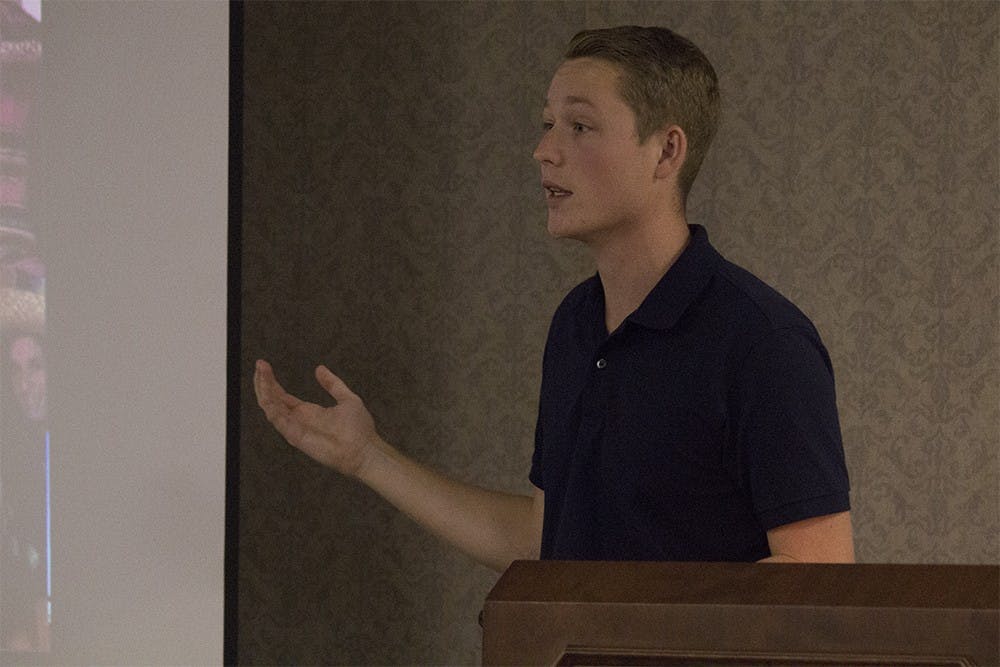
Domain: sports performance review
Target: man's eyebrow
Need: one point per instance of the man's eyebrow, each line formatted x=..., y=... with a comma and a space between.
x=570, y=100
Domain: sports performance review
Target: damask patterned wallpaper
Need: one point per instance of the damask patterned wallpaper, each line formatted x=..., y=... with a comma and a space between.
x=394, y=230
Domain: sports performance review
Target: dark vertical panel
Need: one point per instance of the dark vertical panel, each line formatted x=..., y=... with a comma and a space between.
x=234, y=351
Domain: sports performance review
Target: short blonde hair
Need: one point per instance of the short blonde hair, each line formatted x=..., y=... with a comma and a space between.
x=665, y=80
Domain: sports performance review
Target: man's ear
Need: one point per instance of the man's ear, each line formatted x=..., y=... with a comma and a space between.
x=673, y=151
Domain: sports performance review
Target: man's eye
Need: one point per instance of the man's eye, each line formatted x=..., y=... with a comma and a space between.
x=546, y=126
x=580, y=128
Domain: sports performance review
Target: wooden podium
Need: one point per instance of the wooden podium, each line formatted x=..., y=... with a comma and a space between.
x=701, y=614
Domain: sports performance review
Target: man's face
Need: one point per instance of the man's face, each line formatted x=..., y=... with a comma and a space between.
x=598, y=179
x=28, y=381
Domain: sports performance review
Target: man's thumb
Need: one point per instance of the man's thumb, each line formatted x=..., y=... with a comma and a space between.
x=333, y=384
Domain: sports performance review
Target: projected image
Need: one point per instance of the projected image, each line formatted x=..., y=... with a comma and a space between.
x=25, y=544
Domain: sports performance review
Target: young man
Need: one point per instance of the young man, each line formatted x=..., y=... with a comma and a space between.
x=687, y=410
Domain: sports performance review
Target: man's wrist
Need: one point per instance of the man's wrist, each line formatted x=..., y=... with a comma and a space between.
x=372, y=460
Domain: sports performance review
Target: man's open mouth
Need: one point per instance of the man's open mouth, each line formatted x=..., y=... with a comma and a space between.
x=553, y=190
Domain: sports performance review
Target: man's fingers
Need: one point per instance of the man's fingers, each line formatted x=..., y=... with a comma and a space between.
x=262, y=376
x=264, y=383
x=263, y=368
x=270, y=394
x=333, y=384
x=260, y=383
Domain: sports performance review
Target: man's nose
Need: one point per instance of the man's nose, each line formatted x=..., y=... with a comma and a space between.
x=547, y=150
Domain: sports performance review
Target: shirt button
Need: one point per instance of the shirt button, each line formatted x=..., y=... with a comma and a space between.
x=601, y=363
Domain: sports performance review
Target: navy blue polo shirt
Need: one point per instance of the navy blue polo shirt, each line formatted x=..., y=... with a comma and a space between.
x=707, y=418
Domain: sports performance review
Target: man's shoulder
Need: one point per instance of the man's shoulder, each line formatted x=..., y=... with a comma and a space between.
x=750, y=301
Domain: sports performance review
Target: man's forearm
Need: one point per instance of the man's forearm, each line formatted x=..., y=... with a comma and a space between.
x=492, y=527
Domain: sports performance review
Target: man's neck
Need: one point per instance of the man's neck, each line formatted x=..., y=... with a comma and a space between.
x=632, y=263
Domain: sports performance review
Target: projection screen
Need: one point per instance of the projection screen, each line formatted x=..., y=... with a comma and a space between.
x=113, y=272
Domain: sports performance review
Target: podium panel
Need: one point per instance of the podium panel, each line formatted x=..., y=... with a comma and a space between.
x=745, y=614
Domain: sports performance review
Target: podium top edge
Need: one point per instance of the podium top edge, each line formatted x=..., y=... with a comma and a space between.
x=806, y=584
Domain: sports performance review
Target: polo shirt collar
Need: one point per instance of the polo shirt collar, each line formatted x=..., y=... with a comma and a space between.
x=680, y=285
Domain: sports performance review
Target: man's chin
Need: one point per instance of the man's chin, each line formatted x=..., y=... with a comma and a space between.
x=566, y=229
x=561, y=228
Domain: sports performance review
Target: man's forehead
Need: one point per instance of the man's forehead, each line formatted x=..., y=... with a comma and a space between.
x=583, y=81
x=570, y=100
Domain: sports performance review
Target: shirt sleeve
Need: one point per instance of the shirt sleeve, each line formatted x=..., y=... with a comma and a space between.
x=788, y=432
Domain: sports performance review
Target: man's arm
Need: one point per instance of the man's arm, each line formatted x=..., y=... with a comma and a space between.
x=493, y=527
x=821, y=539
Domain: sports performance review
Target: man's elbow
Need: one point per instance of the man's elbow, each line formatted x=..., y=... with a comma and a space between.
x=821, y=539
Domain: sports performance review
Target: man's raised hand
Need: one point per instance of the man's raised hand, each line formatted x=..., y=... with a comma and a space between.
x=341, y=436
x=491, y=526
